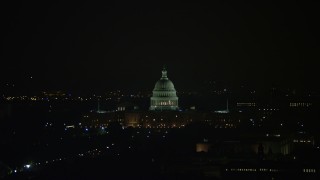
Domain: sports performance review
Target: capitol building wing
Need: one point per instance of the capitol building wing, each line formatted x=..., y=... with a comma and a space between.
x=164, y=96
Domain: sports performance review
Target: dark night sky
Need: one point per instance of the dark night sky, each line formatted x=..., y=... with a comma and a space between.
x=88, y=46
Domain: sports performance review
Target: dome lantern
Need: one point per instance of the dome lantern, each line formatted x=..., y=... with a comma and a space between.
x=164, y=73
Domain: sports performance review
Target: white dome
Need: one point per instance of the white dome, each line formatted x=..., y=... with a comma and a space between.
x=164, y=96
x=164, y=85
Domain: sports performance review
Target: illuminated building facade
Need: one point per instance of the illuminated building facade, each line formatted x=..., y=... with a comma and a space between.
x=164, y=96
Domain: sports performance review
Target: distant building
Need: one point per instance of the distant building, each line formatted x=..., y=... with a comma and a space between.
x=164, y=95
x=300, y=104
x=299, y=143
x=246, y=104
x=127, y=106
x=54, y=94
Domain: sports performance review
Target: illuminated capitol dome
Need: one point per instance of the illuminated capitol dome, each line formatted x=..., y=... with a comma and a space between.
x=164, y=95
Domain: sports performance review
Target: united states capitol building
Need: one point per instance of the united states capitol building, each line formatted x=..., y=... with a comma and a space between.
x=164, y=95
